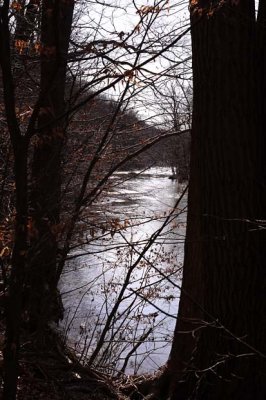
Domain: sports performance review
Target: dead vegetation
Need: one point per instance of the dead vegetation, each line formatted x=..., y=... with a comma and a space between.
x=49, y=370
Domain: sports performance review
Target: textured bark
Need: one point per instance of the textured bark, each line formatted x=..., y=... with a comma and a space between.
x=261, y=83
x=46, y=168
x=223, y=272
x=19, y=251
x=17, y=277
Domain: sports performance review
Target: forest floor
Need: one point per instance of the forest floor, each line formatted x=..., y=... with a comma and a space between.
x=50, y=371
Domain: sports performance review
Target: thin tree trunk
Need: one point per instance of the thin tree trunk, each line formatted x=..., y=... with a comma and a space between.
x=17, y=277
x=19, y=252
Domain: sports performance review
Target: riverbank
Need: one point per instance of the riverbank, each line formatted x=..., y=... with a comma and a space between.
x=49, y=370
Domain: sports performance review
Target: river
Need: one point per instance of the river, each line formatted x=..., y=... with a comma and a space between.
x=124, y=253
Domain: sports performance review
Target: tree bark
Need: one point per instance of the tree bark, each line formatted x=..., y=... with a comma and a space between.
x=17, y=277
x=46, y=167
x=223, y=273
x=19, y=252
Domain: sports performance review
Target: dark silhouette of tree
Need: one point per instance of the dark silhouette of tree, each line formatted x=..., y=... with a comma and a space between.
x=56, y=27
x=56, y=17
x=219, y=345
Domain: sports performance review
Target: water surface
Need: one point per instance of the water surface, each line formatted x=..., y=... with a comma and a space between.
x=119, y=227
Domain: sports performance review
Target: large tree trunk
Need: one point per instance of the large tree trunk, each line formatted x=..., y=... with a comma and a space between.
x=46, y=169
x=261, y=83
x=223, y=273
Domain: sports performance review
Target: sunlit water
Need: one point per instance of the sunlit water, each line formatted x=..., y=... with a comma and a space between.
x=119, y=228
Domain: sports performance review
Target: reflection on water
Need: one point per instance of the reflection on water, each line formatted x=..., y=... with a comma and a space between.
x=125, y=258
